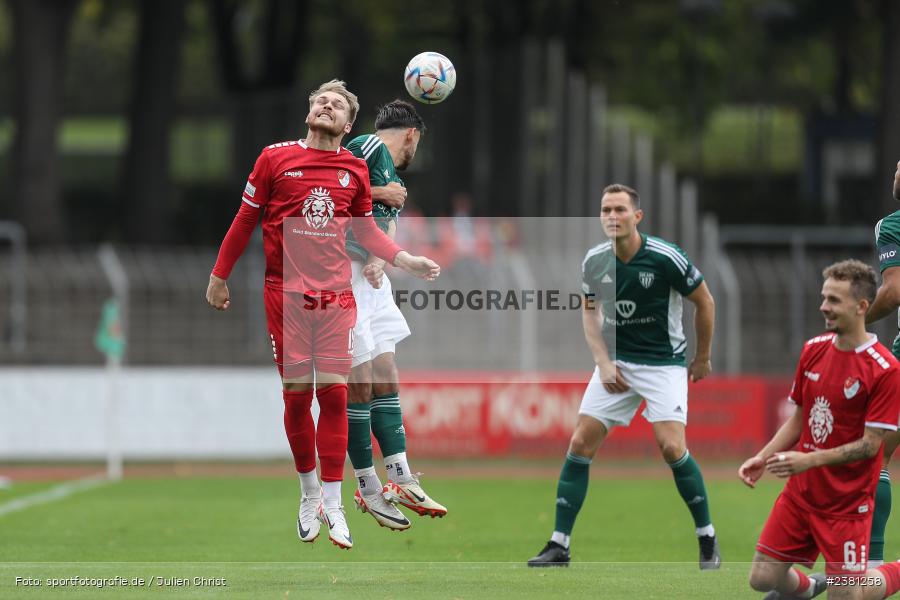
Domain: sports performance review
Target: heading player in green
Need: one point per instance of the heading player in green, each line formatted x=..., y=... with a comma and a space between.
x=639, y=352
x=887, y=301
x=374, y=401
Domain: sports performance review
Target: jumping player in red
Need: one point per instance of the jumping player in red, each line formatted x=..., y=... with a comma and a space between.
x=307, y=192
x=847, y=396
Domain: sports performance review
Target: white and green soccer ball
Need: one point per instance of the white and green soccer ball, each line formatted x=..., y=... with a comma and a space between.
x=430, y=77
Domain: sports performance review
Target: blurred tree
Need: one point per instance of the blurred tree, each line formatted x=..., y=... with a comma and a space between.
x=41, y=31
x=259, y=43
x=145, y=186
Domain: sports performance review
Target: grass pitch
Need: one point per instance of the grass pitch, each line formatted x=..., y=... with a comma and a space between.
x=633, y=539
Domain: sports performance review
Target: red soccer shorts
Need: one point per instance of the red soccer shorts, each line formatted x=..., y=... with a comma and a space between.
x=311, y=330
x=797, y=535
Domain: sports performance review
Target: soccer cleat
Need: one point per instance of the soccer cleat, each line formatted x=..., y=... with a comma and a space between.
x=552, y=555
x=709, y=552
x=412, y=496
x=818, y=581
x=384, y=513
x=308, y=518
x=336, y=520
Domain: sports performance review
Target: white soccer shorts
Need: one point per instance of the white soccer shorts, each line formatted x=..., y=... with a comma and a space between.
x=663, y=387
x=379, y=323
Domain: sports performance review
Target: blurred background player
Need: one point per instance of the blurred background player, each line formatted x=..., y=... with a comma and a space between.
x=317, y=179
x=847, y=393
x=640, y=281
x=374, y=401
x=887, y=301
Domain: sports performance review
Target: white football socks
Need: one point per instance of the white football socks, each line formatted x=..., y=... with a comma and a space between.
x=332, y=492
x=397, y=468
x=309, y=484
x=709, y=530
x=368, y=481
x=560, y=538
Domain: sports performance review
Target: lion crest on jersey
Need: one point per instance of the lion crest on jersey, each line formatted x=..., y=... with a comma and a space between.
x=821, y=421
x=318, y=208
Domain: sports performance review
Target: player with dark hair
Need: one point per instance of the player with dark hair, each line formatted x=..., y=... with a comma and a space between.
x=634, y=285
x=847, y=396
x=374, y=401
x=306, y=191
x=887, y=301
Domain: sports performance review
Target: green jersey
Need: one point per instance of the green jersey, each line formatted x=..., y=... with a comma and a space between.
x=641, y=300
x=371, y=149
x=887, y=242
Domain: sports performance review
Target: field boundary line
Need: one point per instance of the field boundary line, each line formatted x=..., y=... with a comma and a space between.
x=55, y=493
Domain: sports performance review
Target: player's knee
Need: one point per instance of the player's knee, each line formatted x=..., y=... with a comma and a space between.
x=671, y=450
x=762, y=579
x=383, y=389
x=584, y=445
x=358, y=393
x=297, y=386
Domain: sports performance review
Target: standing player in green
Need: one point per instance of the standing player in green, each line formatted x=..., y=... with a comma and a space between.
x=373, y=401
x=887, y=301
x=639, y=350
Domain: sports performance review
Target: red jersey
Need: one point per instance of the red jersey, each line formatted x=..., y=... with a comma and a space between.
x=307, y=198
x=841, y=393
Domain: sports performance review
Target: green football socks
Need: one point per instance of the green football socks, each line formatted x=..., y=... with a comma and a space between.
x=689, y=481
x=571, y=491
x=880, y=516
x=359, y=436
x=387, y=424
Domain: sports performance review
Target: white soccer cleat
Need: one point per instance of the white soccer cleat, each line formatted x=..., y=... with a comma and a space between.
x=385, y=513
x=412, y=496
x=308, y=518
x=336, y=520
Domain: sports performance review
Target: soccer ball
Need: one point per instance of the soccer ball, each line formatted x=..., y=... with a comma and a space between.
x=430, y=77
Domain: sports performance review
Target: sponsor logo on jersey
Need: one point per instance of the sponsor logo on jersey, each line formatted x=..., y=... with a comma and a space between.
x=851, y=386
x=606, y=279
x=625, y=308
x=811, y=375
x=250, y=189
x=863, y=509
x=318, y=208
x=293, y=173
x=646, y=279
x=343, y=178
x=888, y=252
x=387, y=175
x=821, y=420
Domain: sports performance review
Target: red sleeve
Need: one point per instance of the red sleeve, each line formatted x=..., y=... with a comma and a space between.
x=883, y=409
x=256, y=192
x=255, y=196
x=796, y=395
x=236, y=240
x=373, y=239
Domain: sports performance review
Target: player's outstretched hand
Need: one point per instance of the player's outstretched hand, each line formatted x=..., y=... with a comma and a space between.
x=394, y=195
x=612, y=379
x=785, y=464
x=217, y=293
x=752, y=470
x=374, y=273
x=699, y=369
x=418, y=266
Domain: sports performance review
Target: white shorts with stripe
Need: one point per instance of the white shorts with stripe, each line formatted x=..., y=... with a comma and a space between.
x=663, y=387
x=379, y=323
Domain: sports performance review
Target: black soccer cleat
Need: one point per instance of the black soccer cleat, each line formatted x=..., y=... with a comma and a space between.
x=709, y=552
x=819, y=584
x=552, y=555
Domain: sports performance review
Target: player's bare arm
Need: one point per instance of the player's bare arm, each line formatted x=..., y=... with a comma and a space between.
x=786, y=437
x=591, y=316
x=393, y=194
x=897, y=182
x=704, y=323
x=887, y=299
x=785, y=464
x=374, y=269
x=217, y=293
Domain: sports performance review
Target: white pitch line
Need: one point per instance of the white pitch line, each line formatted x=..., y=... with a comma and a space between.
x=55, y=493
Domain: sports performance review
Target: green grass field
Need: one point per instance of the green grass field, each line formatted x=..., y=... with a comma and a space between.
x=633, y=539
